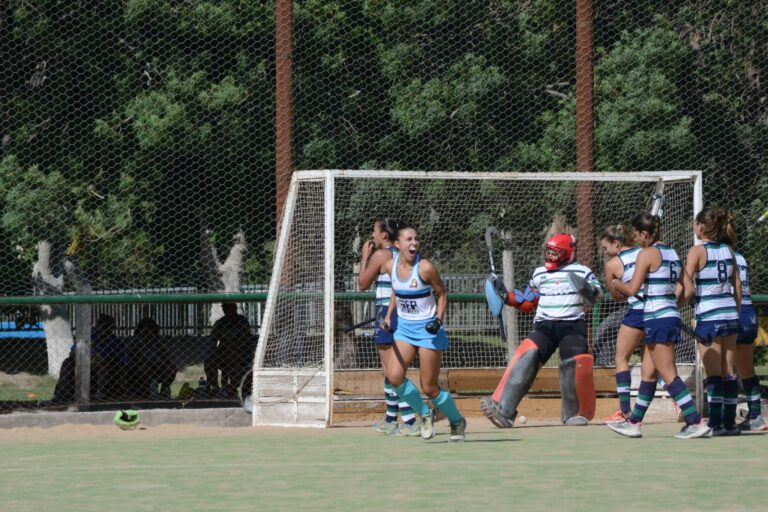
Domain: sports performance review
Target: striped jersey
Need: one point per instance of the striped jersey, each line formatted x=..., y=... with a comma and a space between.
x=629, y=260
x=660, y=301
x=559, y=300
x=746, y=297
x=415, y=301
x=384, y=286
x=714, y=285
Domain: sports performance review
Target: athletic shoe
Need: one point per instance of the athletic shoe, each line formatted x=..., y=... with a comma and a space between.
x=754, y=425
x=492, y=410
x=625, y=428
x=723, y=431
x=406, y=430
x=616, y=416
x=694, y=430
x=384, y=426
x=576, y=421
x=457, y=431
x=428, y=425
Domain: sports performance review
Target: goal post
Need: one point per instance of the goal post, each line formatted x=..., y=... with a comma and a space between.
x=302, y=350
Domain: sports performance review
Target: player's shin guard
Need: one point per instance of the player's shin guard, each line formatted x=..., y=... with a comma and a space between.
x=518, y=378
x=410, y=393
x=730, y=401
x=445, y=404
x=577, y=388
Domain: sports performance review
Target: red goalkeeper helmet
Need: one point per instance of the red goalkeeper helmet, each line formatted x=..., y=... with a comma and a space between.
x=561, y=250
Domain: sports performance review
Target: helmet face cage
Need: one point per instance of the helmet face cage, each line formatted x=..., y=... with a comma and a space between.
x=560, y=250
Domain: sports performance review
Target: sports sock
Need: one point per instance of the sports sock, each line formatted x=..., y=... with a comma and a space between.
x=715, y=400
x=623, y=383
x=682, y=397
x=752, y=390
x=644, y=398
x=445, y=404
x=406, y=413
x=410, y=393
x=730, y=400
x=391, y=399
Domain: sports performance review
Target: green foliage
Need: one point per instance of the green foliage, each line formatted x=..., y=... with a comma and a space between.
x=761, y=356
x=130, y=128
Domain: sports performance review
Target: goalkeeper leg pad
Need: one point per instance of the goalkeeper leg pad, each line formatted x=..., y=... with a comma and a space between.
x=526, y=346
x=518, y=378
x=577, y=388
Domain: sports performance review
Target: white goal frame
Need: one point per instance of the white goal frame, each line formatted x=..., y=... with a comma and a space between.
x=307, y=395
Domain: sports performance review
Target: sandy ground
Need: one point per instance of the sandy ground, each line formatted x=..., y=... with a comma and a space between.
x=86, y=431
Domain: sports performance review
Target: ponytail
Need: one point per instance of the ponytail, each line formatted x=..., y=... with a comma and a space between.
x=618, y=233
x=651, y=224
x=717, y=225
x=388, y=225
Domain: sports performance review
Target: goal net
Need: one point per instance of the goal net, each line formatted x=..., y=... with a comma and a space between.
x=306, y=344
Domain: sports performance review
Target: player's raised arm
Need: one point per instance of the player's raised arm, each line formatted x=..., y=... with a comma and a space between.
x=371, y=267
x=387, y=322
x=376, y=251
x=647, y=259
x=613, y=270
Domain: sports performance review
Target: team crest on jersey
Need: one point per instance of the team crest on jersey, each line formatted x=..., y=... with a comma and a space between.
x=414, y=284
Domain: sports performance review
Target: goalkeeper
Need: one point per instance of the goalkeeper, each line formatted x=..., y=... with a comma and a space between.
x=558, y=324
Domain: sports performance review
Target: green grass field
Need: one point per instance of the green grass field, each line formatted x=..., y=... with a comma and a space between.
x=182, y=468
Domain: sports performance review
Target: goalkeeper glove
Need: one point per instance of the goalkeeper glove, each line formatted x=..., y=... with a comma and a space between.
x=526, y=300
x=500, y=289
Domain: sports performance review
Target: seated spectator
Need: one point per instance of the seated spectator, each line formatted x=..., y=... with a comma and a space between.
x=151, y=370
x=233, y=352
x=109, y=361
x=109, y=364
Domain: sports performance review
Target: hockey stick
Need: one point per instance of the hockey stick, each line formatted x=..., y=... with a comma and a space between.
x=583, y=288
x=493, y=300
x=344, y=327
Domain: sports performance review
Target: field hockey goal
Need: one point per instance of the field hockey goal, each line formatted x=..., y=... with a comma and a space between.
x=307, y=354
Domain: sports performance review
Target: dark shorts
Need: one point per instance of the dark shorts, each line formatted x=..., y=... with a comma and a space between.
x=708, y=329
x=633, y=318
x=662, y=330
x=569, y=336
x=747, y=325
x=380, y=336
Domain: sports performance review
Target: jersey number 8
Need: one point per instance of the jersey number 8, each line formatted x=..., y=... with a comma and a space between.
x=722, y=272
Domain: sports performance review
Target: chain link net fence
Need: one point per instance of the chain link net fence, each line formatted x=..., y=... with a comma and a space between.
x=137, y=138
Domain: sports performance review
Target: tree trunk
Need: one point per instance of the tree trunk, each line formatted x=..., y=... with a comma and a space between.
x=58, y=330
x=228, y=273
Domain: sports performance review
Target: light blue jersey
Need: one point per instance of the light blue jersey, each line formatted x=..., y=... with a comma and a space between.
x=416, y=307
x=714, y=285
x=660, y=301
